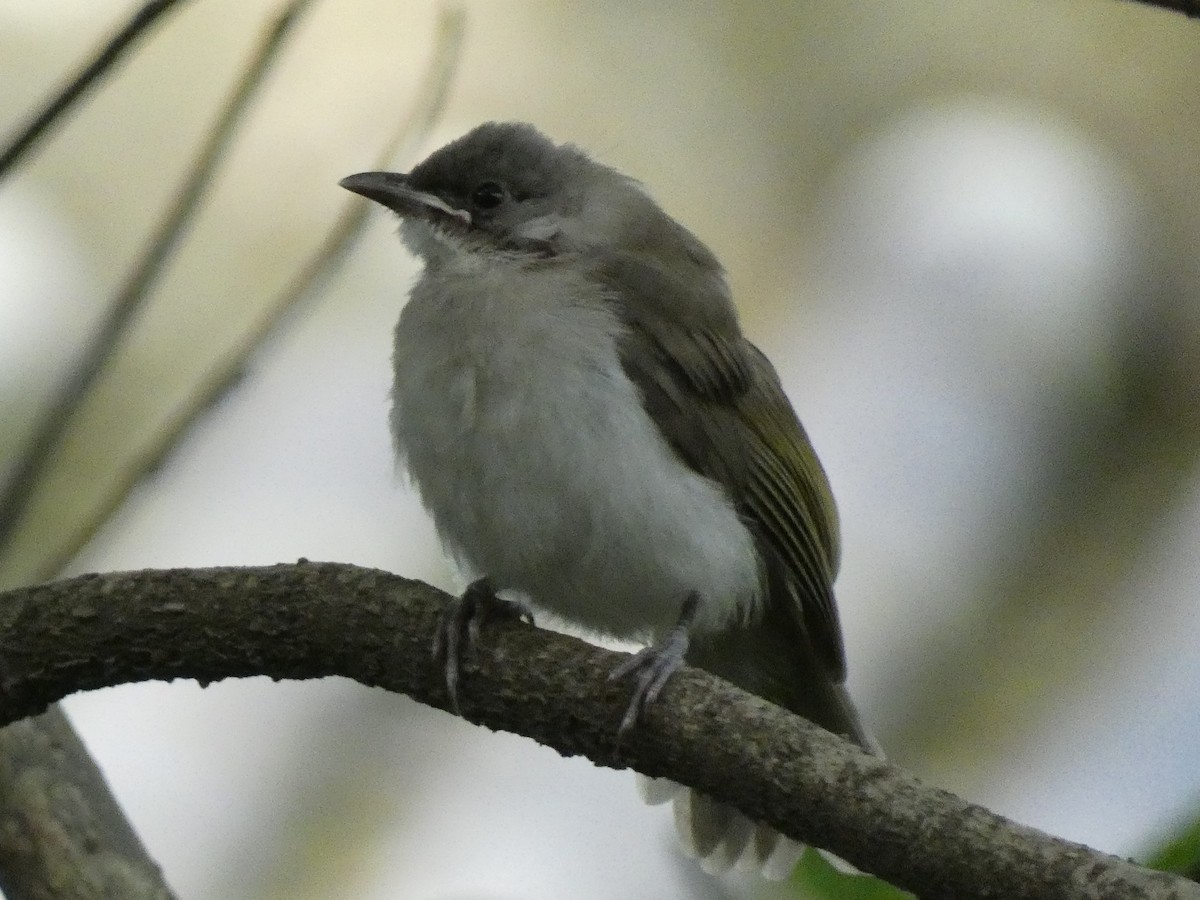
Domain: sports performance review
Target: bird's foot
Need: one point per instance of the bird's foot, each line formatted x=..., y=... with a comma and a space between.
x=654, y=665
x=459, y=627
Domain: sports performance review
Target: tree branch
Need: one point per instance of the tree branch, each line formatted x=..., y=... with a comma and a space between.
x=61, y=832
x=312, y=620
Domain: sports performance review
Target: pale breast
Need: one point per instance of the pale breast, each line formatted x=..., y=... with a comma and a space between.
x=532, y=452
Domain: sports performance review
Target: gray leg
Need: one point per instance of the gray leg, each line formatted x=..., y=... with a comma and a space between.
x=654, y=665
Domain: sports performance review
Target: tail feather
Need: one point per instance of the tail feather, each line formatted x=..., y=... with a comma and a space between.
x=723, y=839
x=656, y=791
x=782, y=860
x=717, y=834
x=769, y=657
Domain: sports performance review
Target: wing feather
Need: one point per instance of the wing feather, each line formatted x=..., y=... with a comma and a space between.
x=718, y=402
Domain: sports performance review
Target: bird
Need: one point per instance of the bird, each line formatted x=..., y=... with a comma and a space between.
x=592, y=433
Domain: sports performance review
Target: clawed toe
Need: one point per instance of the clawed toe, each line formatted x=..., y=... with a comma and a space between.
x=460, y=623
x=653, y=666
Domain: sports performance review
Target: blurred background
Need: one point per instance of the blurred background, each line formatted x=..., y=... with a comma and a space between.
x=964, y=232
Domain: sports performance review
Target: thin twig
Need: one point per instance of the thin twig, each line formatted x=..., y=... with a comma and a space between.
x=105, y=58
x=431, y=98
x=48, y=434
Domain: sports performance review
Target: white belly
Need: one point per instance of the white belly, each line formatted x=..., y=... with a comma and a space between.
x=531, y=449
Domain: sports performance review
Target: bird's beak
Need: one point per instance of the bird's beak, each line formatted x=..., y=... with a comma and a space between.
x=391, y=189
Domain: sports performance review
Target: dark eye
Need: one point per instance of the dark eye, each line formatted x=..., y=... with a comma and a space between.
x=488, y=195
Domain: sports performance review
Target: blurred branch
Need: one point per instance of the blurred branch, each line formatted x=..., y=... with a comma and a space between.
x=315, y=620
x=61, y=832
x=106, y=57
x=87, y=839
x=226, y=372
x=1190, y=8
x=17, y=491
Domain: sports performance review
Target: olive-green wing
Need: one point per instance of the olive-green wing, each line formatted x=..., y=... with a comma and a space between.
x=718, y=402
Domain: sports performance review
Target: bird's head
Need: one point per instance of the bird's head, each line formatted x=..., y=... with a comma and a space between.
x=507, y=188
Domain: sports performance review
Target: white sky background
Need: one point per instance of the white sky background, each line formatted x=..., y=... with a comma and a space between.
x=968, y=257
